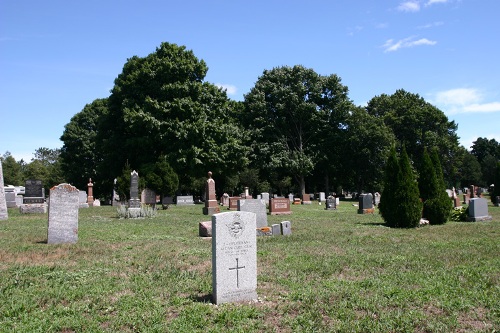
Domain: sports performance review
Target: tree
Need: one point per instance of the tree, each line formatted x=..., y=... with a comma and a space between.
x=496, y=189
x=161, y=178
x=437, y=204
x=417, y=124
x=365, y=147
x=160, y=106
x=388, y=205
x=470, y=170
x=483, y=147
x=12, y=170
x=400, y=204
x=290, y=112
x=488, y=167
x=79, y=153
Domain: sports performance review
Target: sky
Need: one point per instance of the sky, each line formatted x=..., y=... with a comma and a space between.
x=56, y=56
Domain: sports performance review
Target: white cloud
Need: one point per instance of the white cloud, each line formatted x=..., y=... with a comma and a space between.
x=430, y=25
x=409, y=6
x=431, y=2
x=391, y=46
x=230, y=89
x=464, y=100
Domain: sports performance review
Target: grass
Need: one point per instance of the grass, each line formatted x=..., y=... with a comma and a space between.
x=338, y=272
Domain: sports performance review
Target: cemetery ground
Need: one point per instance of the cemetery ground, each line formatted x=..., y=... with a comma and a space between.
x=339, y=271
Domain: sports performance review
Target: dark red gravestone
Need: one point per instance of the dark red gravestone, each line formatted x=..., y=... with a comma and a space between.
x=211, y=206
x=279, y=206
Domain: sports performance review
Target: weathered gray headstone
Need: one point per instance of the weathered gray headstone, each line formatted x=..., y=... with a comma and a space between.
x=322, y=197
x=63, y=214
x=276, y=229
x=10, y=197
x=4, y=213
x=148, y=197
x=265, y=197
x=478, y=210
x=134, y=201
x=234, y=257
x=82, y=197
x=286, y=228
x=365, y=204
x=184, y=200
x=257, y=206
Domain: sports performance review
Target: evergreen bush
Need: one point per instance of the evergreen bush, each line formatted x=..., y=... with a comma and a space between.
x=437, y=209
x=387, y=205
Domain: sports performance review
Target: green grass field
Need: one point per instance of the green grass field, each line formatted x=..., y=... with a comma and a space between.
x=338, y=272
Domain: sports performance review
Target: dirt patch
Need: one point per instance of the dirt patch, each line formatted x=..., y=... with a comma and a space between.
x=474, y=320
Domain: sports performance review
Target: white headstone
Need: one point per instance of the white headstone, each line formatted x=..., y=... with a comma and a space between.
x=234, y=257
x=286, y=228
x=63, y=214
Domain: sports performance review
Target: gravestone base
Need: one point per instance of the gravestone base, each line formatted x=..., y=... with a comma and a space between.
x=366, y=211
x=134, y=203
x=134, y=213
x=306, y=202
x=83, y=205
x=479, y=218
x=264, y=231
x=205, y=229
x=211, y=210
x=281, y=213
x=33, y=208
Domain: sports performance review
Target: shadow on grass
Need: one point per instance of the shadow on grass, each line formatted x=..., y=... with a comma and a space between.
x=207, y=298
x=376, y=224
x=42, y=242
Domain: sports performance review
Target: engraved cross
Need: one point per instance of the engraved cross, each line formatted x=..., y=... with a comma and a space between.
x=237, y=268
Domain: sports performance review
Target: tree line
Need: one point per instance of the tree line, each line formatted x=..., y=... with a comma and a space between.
x=295, y=131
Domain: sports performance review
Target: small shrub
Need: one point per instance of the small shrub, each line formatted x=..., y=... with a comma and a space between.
x=459, y=214
x=437, y=210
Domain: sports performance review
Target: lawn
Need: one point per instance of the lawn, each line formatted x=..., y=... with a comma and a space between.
x=339, y=271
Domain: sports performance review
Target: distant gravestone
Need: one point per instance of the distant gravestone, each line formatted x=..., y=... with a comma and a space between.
x=257, y=206
x=4, y=213
x=265, y=197
x=211, y=206
x=90, y=195
x=497, y=201
x=34, y=192
x=376, y=199
x=306, y=199
x=286, y=228
x=478, y=210
x=82, y=199
x=322, y=197
x=366, y=204
x=233, y=203
x=148, y=197
x=276, y=229
x=224, y=200
x=63, y=214
x=290, y=197
x=330, y=204
x=134, y=201
x=184, y=200
x=234, y=257
x=279, y=206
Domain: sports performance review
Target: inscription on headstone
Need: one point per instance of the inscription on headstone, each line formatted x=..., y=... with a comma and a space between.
x=63, y=214
x=184, y=200
x=279, y=206
x=34, y=193
x=234, y=257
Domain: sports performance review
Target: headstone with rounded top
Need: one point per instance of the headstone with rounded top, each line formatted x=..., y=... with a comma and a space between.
x=63, y=214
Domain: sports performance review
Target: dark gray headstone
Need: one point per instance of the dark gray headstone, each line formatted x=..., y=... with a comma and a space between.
x=34, y=192
x=234, y=257
x=63, y=214
x=257, y=206
x=286, y=228
x=330, y=204
x=4, y=214
x=365, y=204
x=478, y=210
x=134, y=201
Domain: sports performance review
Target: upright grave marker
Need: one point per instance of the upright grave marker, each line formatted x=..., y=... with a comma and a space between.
x=63, y=214
x=90, y=191
x=234, y=257
x=366, y=204
x=478, y=210
x=211, y=206
x=134, y=201
x=279, y=206
x=257, y=206
x=34, y=198
x=4, y=213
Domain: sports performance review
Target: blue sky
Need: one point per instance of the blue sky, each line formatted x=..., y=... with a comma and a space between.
x=56, y=56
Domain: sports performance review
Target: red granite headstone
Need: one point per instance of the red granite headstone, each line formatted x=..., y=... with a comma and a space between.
x=279, y=206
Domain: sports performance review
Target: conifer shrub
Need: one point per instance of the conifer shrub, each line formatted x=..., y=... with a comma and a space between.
x=496, y=189
x=400, y=204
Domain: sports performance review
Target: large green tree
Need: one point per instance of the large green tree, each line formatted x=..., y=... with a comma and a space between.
x=79, y=153
x=483, y=147
x=160, y=105
x=364, y=149
x=291, y=112
x=12, y=170
x=418, y=124
x=470, y=170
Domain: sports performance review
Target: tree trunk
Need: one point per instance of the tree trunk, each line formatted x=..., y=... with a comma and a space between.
x=302, y=183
